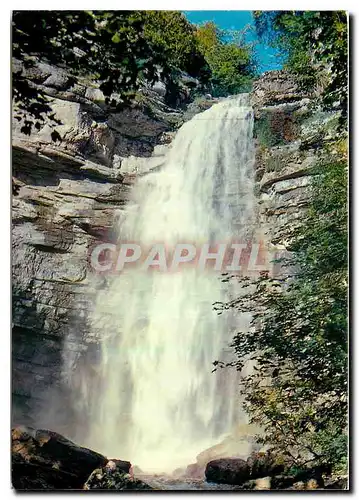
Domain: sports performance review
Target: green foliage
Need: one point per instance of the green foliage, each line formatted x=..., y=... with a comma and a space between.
x=275, y=128
x=230, y=59
x=108, y=46
x=119, y=49
x=263, y=133
x=316, y=47
x=172, y=33
x=297, y=392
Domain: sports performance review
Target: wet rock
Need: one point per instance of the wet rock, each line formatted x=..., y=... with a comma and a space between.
x=263, y=483
x=43, y=459
x=197, y=106
x=336, y=482
x=194, y=471
x=282, y=482
x=121, y=465
x=112, y=477
x=228, y=470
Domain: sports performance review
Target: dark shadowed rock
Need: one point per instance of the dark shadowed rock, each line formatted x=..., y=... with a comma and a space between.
x=282, y=482
x=228, y=470
x=238, y=471
x=43, y=459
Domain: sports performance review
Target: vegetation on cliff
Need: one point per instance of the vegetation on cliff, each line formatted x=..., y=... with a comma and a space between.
x=298, y=340
x=108, y=46
x=315, y=48
x=121, y=50
x=298, y=390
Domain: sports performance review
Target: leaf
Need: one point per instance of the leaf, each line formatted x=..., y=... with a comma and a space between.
x=116, y=38
x=55, y=136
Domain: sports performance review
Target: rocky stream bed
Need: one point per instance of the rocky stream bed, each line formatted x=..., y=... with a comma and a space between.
x=46, y=460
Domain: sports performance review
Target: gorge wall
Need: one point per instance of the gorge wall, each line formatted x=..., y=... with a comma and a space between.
x=65, y=195
x=292, y=133
x=68, y=194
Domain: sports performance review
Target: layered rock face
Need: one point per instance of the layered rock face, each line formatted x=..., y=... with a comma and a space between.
x=71, y=192
x=291, y=136
x=67, y=194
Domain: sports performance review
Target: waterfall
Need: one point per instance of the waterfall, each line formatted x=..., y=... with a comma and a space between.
x=159, y=403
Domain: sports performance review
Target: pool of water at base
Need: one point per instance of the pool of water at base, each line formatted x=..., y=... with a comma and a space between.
x=163, y=482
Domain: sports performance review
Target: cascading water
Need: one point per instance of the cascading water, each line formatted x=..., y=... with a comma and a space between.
x=160, y=404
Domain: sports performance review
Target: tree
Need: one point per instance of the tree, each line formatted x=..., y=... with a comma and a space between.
x=171, y=31
x=297, y=391
x=315, y=44
x=230, y=59
x=119, y=49
x=107, y=46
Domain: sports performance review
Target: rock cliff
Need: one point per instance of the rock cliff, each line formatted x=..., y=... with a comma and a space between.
x=292, y=134
x=66, y=194
x=73, y=191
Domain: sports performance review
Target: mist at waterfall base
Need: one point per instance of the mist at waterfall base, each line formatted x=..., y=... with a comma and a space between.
x=158, y=402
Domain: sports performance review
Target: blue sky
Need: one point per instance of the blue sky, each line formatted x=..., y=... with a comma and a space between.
x=237, y=20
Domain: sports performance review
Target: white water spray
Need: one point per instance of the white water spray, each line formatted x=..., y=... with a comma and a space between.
x=160, y=404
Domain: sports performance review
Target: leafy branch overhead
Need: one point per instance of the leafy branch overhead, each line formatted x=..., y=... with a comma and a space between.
x=119, y=50
x=230, y=58
x=314, y=45
x=107, y=46
x=297, y=391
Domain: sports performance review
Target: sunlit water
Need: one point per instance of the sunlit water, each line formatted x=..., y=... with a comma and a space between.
x=158, y=403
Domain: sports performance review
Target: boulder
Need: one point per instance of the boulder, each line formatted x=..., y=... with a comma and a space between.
x=282, y=482
x=228, y=471
x=112, y=477
x=43, y=459
x=334, y=482
x=238, y=471
x=263, y=483
x=195, y=471
x=122, y=465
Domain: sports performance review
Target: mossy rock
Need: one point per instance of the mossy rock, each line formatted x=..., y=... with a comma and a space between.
x=112, y=478
x=276, y=128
